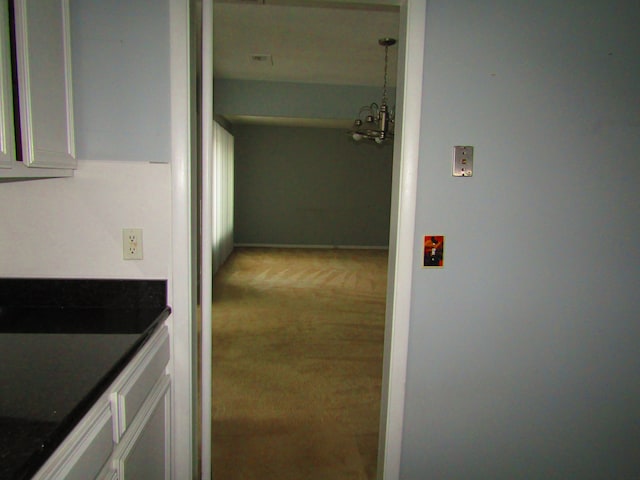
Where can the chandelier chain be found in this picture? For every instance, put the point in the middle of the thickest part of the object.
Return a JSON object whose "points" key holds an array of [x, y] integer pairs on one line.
{"points": [[384, 90]]}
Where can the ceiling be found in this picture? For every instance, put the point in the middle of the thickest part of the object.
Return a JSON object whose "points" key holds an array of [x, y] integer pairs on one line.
{"points": [[306, 41]]}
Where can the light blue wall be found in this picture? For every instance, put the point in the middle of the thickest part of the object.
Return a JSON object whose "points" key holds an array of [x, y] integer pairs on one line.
{"points": [[298, 100], [524, 358], [310, 186], [120, 57]]}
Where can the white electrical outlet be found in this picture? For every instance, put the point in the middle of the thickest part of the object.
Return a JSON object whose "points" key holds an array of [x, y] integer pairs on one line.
{"points": [[132, 243]]}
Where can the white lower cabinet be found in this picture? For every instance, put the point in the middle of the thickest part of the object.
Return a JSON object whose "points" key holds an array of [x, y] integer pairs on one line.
{"points": [[85, 450], [126, 434], [144, 449], [107, 473]]}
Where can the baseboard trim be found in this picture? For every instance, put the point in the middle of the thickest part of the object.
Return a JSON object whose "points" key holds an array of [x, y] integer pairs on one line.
{"points": [[288, 245]]}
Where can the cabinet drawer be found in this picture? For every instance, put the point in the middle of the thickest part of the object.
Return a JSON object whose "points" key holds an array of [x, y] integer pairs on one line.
{"points": [[143, 373], [86, 449]]}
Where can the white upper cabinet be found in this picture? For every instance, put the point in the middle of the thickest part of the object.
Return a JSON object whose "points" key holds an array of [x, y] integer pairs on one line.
{"points": [[43, 51], [7, 138]]}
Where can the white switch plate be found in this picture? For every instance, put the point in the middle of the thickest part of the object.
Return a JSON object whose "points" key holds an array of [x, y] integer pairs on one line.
{"points": [[462, 161], [132, 243]]}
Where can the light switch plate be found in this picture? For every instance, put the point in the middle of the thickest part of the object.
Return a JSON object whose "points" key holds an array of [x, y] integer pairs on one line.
{"points": [[462, 161]]}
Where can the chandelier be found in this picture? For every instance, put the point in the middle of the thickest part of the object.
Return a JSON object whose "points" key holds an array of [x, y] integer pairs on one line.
{"points": [[375, 122]]}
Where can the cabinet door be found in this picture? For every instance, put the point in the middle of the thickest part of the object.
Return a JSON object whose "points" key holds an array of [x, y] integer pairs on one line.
{"points": [[7, 140], [108, 473], [43, 50], [145, 448]]}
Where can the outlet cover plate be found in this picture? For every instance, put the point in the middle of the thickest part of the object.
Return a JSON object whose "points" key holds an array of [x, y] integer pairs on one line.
{"points": [[132, 243], [463, 161]]}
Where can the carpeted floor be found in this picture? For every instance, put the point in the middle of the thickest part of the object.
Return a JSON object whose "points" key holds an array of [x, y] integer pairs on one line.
{"points": [[297, 359]]}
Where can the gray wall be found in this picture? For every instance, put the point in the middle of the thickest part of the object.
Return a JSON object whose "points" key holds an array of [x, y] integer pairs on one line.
{"points": [[524, 358], [121, 88], [299, 100], [310, 186]]}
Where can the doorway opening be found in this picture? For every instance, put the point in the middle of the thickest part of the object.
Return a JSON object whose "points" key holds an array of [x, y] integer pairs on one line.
{"points": [[398, 267]]}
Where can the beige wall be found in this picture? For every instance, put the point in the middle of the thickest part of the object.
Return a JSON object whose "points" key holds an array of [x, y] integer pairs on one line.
{"points": [[72, 227]]}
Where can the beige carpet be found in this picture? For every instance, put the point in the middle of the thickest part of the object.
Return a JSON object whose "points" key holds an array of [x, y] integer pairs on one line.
{"points": [[297, 358]]}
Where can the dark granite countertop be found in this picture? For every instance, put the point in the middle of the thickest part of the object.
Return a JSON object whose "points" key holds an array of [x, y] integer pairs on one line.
{"points": [[62, 343]]}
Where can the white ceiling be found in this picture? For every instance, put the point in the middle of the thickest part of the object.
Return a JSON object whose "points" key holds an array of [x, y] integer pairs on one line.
{"points": [[309, 41]]}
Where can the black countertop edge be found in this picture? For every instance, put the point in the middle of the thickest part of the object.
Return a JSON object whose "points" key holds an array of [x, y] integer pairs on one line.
{"points": [[48, 446]]}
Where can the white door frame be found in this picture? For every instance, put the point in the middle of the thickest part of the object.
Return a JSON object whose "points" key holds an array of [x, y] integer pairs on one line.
{"points": [[401, 238], [182, 367], [206, 255], [401, 244]]}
